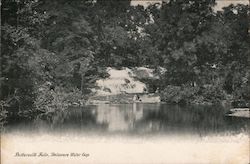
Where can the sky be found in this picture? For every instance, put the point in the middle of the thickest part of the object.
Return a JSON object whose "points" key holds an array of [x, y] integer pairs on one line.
{"points": [[219, 6]]}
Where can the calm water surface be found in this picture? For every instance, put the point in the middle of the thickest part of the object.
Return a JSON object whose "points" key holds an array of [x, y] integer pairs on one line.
{"points": [[137, 119]]}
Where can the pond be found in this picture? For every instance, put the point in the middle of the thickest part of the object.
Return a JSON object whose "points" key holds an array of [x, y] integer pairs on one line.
{"points": [[138, 119]]}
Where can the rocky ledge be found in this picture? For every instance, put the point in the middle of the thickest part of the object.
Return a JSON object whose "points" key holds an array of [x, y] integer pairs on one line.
{"points": [[125, 99]]}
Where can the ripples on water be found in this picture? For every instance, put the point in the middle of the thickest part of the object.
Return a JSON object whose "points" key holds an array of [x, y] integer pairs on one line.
{"points": [[138, 118]]}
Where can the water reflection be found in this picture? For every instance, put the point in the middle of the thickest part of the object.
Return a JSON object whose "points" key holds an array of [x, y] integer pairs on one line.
{"points": [[141, 118], [119, 117]]}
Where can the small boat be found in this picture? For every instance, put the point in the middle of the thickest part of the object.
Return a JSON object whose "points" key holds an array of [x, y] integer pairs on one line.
{"points": [[239, 112]]}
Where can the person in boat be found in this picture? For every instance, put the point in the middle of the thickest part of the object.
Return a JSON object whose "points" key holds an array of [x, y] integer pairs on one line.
{"points": [[136, 98], [157, 90]]}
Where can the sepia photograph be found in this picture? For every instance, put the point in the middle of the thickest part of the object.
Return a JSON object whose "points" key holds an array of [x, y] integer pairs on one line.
{"points": [[125, 82]]}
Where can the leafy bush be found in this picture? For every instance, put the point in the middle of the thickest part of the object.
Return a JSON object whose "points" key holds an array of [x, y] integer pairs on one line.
{"points": [[171, 94], [179, 94], [195, 95], [58, 99], [3, 114], [212, 93]]}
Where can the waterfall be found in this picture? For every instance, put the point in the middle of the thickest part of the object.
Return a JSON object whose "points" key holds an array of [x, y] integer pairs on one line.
{"points": [[119, 81]]}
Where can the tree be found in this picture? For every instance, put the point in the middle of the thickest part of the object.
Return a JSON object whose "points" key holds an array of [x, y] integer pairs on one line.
{"points": [[182, 23], [19, 46]]}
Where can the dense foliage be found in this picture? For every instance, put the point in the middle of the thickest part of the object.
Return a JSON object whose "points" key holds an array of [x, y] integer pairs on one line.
{"points": [[59, 48]]}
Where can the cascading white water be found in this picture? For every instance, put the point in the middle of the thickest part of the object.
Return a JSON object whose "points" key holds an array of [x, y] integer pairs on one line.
{"points": [[119, 81]]}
